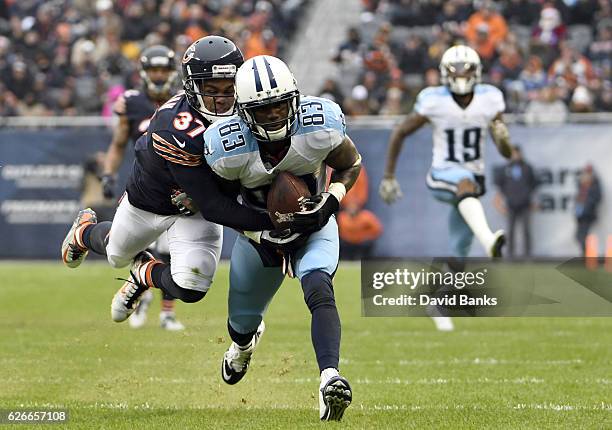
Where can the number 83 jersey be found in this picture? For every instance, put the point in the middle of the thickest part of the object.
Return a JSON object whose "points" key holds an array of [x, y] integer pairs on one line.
{"points": [[459, 134], [232, 151]]}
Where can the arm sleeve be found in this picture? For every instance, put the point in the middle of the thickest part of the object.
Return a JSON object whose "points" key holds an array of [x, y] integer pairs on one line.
{"points": [[200, 184]]}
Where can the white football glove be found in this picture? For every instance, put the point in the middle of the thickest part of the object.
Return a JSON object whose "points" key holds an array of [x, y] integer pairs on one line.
{"points": [[390, 190], [284, 240]]}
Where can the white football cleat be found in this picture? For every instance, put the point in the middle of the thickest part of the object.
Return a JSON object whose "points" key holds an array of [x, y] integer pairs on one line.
{"points": [[73, 249], [168, 321], [139, 317], [335, 395], [499, 240], [127, 298], [237, 358]]}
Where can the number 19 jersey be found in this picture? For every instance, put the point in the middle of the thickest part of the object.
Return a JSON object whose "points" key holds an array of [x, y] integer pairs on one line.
{"points": [[459, 134]]}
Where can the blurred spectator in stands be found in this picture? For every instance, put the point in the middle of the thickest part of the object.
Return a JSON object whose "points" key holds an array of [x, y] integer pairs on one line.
{"points": [[358, 228], [228, 21], [350, 48], [509, 64], [521, 12], [88, 86], [8, 103], [533, 76], [358, 103], [603, 101], [376, 85], [588, 199], [260, 39], [546, 108], [516, 182], [547, 35], [485, 29], [484, 45], [331, 90], [411, 13], [571, 69], [600, 50], [582, 100], [136, 24], [505, 74], [604, 10], [412, 57], [64, 101], [440, 43], [393, 101], [19, 80], [452, 17], [260, 43]]}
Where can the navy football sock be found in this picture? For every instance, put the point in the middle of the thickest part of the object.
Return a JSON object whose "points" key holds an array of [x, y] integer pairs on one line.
{"points": [[325, 324], [242, 339], [95, 236]]}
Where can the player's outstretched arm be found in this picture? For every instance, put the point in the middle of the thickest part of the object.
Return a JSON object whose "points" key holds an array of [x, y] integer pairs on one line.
{"points": [[346, 162], [116, 150], [389, 188], [501, 136], [201, 185]]}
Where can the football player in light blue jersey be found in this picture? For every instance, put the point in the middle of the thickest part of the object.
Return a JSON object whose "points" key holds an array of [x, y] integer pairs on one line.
{"points": [[460, 112], [277, 130]]}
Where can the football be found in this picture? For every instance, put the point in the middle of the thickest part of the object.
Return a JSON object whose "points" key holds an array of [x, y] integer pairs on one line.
{"points": [[283, 198]]}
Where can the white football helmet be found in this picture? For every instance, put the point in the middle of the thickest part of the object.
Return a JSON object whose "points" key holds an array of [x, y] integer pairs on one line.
{"points": [[460, 69], [262, 81]]}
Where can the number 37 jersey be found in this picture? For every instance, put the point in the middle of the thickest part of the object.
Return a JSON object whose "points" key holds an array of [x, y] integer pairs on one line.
{"points": [[459, 134]]}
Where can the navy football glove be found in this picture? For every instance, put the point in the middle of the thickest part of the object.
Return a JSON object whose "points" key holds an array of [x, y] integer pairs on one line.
{"points": [[108, 186], [315, 213]]}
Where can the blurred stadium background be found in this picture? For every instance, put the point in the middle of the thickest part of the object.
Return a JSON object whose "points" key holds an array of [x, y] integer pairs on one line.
{"points": [[62, 65]]}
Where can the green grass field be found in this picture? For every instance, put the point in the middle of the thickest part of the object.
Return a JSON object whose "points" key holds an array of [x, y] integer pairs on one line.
{"points": [[59, 348]]}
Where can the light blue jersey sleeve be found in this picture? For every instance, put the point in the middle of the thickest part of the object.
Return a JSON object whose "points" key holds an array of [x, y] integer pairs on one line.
{"points": [[226, 145]]}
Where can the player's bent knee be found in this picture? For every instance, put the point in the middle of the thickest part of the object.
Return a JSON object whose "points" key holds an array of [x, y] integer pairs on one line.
{"points": [[118, 261], [318, 290], [192, 282]]}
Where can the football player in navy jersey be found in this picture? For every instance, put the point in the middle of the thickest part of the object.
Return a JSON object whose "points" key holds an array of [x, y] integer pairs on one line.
{"points": [[135, 107], [170, 161]]}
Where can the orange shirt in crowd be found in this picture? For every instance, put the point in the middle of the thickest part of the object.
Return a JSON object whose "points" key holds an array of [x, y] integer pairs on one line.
{"points": [[357, 196], [257, 45], [361, 227], [496, 31]]}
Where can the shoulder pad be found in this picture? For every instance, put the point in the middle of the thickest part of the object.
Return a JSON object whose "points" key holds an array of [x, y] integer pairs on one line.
{"points": [[317, 113]]}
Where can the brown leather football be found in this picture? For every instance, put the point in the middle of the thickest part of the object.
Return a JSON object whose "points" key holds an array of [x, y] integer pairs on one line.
{"points": [[283, 198]]}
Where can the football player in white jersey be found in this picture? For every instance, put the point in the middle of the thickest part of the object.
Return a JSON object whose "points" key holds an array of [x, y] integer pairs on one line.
{"points": [[460, 111], [278, 130]]}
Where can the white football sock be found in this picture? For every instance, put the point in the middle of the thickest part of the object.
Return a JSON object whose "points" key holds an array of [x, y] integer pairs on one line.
{"points": [[473, 213], [328, 373]]}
